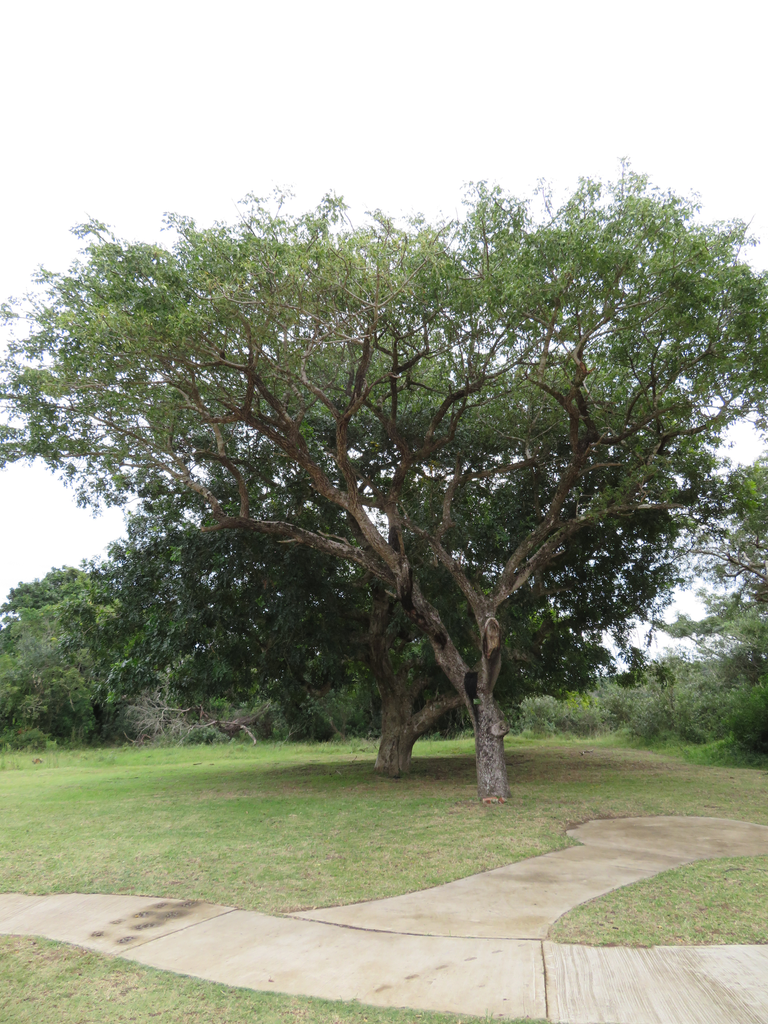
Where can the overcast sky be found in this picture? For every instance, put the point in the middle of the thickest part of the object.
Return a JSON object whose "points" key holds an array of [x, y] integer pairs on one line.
{"points": [[126, 111]]}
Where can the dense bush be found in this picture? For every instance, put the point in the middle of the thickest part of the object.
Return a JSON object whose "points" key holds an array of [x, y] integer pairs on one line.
{"points": [[676, 699], [582, 714], [749, 719], [539, 715], [204, 736], [691, 705], [26, 739], [46, 689]]}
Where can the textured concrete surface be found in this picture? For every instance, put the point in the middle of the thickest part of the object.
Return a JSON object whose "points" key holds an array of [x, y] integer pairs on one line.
{"points": [[522, 900], [471, 947], [684, 838], [468, 976], [108, 924], [662, 985], [518, 901]]}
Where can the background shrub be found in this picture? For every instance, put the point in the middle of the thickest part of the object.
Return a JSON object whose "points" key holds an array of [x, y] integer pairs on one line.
{"points": [[681, 700], [580, 714], [27, 739], [749, 719], [539, 715]]}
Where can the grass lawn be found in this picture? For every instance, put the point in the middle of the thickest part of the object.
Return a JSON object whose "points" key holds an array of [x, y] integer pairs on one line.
{"points": [[281, 828], [715, 901]]}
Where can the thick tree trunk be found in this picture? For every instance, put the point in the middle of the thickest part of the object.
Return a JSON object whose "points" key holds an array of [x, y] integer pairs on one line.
{"points": [[396, 707], [394, 755], [395, 751], [476, 689], [490, 727], [400, 725], [490, 730]]}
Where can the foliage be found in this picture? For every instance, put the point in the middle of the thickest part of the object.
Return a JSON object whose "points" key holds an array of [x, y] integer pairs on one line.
{"points": [[735, 556], [47, 690], [675, 698], [732, 638], [597, 589], [749, 718], [691, 701], [222, 617], [28, 739], [578, 714], [731, 641]]}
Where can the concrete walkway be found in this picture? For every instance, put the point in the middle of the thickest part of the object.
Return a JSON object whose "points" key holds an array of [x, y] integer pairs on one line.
{"points": [[472, 947]]}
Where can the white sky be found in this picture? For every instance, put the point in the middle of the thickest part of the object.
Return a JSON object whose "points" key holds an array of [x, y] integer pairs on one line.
{"points": [[125, 111]]}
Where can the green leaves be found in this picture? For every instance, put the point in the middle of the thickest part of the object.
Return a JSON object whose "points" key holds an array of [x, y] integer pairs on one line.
{"points": [[470, 395], [46, 685]]}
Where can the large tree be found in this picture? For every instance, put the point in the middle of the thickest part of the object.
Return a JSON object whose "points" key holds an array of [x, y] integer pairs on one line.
{"points": [[578, 367]]}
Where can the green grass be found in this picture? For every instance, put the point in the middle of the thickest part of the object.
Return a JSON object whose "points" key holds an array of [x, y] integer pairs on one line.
{"points": [[716, 753], [72, 986], [285, 828], [721, 901], [280, 828]]}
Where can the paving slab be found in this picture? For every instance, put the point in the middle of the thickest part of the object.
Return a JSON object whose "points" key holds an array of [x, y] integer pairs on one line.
{"points": [[523, 900], [687, 838], [661, 985], [15, 903], [108, 924], [518, 901], [468, 976]]}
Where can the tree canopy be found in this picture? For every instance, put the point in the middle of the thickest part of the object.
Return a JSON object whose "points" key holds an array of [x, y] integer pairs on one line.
{"points": [[470, 396]]}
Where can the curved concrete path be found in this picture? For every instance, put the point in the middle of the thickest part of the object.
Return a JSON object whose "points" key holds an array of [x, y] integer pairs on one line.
{"points": [[522, 900], [472, 947]]}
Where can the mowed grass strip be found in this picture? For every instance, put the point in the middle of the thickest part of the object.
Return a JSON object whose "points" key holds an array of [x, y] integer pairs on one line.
{"points": [[709, 902], [46, 981], [279, 829]]}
